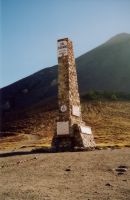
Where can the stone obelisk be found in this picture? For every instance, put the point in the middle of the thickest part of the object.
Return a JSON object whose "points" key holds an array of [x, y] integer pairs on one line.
{"points": [[71, 131]]}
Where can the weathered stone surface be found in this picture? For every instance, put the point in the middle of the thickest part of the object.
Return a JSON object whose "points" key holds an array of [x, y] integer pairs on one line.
{"points": [[69, 102]]}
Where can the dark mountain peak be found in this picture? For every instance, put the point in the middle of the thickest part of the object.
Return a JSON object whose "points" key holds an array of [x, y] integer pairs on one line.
{"points": [[121, 37]]}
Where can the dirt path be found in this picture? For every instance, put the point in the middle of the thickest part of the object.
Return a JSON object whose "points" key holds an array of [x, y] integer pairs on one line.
{"points": [[20, 141], [31, 139], [66, 176]]}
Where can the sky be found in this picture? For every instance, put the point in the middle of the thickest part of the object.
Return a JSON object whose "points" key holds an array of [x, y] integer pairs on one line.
{"points": [[29, 30]]}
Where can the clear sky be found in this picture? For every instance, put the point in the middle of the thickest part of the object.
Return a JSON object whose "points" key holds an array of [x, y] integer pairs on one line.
{"points": [[30, 29]]}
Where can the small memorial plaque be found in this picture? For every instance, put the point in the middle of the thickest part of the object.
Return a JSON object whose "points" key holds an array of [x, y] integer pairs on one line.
{"points": [[63, 108], [86, 129], [63, 128], [76, 111]]}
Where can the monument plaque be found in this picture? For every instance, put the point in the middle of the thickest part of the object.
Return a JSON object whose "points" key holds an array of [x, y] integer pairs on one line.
{"points": [[62, 128], [76, 111], [86, 129], [63, 108]]}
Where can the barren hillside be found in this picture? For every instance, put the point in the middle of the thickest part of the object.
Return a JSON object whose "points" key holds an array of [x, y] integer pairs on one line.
{"points": [[110, 122]]}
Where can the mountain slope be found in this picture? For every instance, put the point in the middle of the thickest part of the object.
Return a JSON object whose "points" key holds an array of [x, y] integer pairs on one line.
{"points": [[106, 67]]}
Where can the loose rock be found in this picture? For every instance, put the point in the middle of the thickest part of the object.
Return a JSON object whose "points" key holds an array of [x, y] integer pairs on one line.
{"points": [[122, 166], [121, 169], [67, 169], [108, 184], [120, 173]]}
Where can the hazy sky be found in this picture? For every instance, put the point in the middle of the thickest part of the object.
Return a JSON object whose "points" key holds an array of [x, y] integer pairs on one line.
{"points": [[30, 29]]}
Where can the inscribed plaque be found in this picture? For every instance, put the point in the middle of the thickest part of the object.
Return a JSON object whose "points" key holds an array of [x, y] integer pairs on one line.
{"points": [[63, 128], [76, 111], [86, 129]]}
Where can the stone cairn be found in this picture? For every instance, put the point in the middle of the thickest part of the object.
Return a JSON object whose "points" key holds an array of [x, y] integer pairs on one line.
{"points": [[71, 131]]}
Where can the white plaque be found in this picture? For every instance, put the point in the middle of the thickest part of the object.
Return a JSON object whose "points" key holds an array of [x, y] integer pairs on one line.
{"points": [[63, 128], [76, 111], [86, 129], [62, 48]]}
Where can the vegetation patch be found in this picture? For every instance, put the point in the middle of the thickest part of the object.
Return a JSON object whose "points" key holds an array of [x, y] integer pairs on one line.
{"points": [[105, 95]]}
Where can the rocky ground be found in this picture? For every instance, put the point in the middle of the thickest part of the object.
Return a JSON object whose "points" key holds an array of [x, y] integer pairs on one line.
{"points": [[92, 175]]}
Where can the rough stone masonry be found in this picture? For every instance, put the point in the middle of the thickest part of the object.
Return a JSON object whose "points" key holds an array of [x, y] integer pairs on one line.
{"points": [[71, 131]]}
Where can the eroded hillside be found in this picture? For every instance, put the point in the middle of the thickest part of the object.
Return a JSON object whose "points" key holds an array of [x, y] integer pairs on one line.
{"points": [[110, 122]]}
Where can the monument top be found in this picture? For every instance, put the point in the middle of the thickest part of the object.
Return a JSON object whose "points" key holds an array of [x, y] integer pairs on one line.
{"points": [[63, 39]]}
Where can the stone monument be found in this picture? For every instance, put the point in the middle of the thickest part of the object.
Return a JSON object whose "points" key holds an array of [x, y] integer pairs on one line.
{"points": [[71, 131]]}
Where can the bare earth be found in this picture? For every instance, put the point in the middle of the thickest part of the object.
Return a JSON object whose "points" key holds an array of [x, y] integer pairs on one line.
{"points": [[66, 176]]}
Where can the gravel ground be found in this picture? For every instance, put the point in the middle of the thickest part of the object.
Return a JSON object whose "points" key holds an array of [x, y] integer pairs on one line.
{"points": [[93, 175]]}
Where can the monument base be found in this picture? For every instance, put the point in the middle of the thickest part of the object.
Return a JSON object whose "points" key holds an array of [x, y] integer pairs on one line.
{"points": [[69, 142], [62, 143], [83, 136]]}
